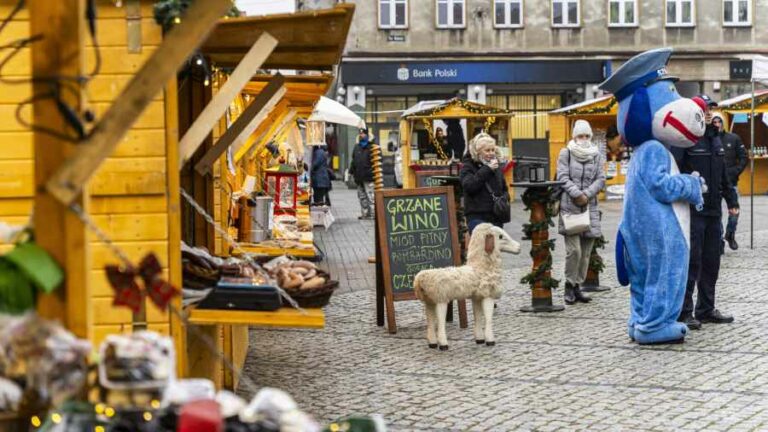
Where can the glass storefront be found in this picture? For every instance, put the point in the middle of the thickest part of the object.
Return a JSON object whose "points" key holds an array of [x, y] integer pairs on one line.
{"points": [[530, 121]]}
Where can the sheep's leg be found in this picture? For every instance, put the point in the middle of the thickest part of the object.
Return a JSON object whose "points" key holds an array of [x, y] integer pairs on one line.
{"points": [[488, 304], [431, 324], [442, 339], [477, 311]]}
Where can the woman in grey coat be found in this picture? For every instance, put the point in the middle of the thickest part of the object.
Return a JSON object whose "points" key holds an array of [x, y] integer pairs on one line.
{"points": [[580, 166]]}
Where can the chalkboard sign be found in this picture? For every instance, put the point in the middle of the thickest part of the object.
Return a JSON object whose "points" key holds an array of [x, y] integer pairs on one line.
{"points": [[417, 231], [427, 178]]}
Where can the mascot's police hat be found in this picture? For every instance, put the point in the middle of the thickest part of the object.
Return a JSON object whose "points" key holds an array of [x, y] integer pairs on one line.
{"points": [[641, 70]]}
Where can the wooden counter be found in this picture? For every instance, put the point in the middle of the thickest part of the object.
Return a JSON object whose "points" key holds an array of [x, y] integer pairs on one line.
{"points": [[283, 317]]}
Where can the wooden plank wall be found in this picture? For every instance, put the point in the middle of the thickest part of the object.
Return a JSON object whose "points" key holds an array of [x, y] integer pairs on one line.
{"points": [[129, 192]]}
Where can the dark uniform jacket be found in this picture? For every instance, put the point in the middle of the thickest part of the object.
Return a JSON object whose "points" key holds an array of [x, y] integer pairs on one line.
{"points": [[362, 167], [477, 199], [735, 156], [707, 157]]}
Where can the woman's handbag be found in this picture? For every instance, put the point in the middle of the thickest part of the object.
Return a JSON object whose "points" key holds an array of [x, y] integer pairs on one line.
{"points": [[576, 223], [501, 206]]}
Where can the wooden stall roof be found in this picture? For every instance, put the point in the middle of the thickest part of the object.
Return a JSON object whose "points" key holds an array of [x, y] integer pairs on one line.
{"points": [[599, 106], [310, 40], [454, 108], [302, 91], [743, 103]]}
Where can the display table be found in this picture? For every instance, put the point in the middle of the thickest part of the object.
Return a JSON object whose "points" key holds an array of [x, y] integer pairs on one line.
{"points": [[537, 200], [283, 317], [274, 251], [229, 330]]}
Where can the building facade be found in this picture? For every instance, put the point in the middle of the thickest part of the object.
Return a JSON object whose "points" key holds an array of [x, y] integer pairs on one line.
{"points": [[533, 56]]}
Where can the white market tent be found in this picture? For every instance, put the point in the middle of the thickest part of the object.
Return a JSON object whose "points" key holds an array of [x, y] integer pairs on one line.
{"points": [[329, 111]]}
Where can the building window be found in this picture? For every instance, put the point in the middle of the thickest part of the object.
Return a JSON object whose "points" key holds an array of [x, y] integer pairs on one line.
{"points": [[393, 14], [622, 13], [566, 13], [450, 13], [508, 13], [680, 13], [737, 12]]}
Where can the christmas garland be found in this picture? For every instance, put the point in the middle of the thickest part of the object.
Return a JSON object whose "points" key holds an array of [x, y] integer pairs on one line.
{"points": [[596, 110], [596, 263], [438, 145], [539, 274], [169, 12]]}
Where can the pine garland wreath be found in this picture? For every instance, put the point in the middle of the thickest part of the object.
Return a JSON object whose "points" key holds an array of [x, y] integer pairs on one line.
{"points": [[538, 275], [596, 263], [170, 12]]}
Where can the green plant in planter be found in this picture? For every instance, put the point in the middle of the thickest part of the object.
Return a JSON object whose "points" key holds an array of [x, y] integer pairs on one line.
{"points": [[26, 267], [170, 12]]}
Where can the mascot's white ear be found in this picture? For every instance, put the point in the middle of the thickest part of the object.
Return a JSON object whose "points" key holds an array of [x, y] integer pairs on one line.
{"points": [[679, 123]]}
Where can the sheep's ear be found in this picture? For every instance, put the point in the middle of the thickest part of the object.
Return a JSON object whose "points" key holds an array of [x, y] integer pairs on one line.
{"points": [[490, 243]]}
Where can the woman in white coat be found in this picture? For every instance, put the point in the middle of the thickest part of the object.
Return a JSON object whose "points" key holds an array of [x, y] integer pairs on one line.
{"points": [[580, 166]]}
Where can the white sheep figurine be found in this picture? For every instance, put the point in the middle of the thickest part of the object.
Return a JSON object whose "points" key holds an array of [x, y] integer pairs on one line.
{"points": [[479, 280]]}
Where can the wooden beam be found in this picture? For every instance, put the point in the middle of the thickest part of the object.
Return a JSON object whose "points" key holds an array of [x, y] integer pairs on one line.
{"points": [[202, 126], [289, 117], [60, 52], [274, 128], [239, 149], [246, 123], [178, 45]]}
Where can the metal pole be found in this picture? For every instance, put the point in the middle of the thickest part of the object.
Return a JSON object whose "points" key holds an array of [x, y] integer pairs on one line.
{"points": [[752, 173]]}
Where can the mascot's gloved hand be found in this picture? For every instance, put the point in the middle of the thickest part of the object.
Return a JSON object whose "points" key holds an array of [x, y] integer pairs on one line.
{"points": [[704, 189]]}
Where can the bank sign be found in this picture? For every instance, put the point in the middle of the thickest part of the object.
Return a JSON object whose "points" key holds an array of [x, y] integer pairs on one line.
{"points": [[474, 72]]}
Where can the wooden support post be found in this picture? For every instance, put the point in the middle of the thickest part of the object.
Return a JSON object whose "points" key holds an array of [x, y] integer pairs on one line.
{"points": [[243, 73], [177, 46], [58, 230], [243, 127]]}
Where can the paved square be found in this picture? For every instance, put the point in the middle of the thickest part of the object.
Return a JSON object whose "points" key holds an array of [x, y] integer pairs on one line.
{"points": [[573, 370]]}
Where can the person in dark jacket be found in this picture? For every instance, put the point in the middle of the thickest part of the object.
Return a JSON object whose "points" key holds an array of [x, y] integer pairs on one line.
{"points": [[320, 177], [735, 161], [361, 169], [456, 141], [481, 179], [707, 158]]}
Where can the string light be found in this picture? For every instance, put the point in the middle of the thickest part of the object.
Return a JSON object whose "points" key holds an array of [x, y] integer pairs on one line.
{"points": [[177, 20], [99, 408], [35, 420], [56, 418], [99, 429], [207, 82], [147, 416], [109, 412], [155, 404], [199, 61]]}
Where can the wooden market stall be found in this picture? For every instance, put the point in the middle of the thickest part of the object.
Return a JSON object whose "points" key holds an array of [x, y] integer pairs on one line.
{"points": [[423, 158], [128, 198], [601, 114], [738, 110], [269, 146]]}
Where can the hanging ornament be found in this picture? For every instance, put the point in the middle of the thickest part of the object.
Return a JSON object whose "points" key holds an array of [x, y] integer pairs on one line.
{"points": [[127, 290]]}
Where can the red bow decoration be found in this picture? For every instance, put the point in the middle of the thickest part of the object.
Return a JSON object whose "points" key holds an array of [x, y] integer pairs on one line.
{"points": [[127, 291]]}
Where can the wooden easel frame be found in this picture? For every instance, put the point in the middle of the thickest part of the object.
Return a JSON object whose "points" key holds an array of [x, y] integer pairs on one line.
{"points": [[383, 279]]}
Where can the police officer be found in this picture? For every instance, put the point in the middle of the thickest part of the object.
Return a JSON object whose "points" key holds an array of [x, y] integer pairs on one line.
{"points": [[735, 161], [707, 158]]}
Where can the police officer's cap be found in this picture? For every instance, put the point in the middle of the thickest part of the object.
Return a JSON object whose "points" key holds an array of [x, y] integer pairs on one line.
{"points": [[641, 70]]}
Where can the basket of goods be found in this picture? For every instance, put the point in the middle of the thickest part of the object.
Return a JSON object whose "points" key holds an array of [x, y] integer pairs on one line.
{"points": [[302, 280]]}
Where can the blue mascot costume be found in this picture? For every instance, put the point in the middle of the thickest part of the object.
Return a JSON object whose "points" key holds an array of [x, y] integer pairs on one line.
{"points": [[653, 243]]}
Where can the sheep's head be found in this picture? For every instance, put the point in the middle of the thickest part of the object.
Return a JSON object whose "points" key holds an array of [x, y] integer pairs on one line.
{"points": [[491, 240]]}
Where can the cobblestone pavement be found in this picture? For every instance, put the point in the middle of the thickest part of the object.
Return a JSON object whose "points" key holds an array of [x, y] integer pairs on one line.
{"points": [[574, 370]]}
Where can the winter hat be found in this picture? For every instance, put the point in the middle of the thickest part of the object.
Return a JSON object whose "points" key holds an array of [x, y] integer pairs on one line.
{"points": [[581, 127], [479, 142]]}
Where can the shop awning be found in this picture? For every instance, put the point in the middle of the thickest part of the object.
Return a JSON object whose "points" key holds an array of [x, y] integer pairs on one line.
{"points": [[601, 105], [302, 91], [743, 103], [328, 110], [454, 108], [310, 40]]}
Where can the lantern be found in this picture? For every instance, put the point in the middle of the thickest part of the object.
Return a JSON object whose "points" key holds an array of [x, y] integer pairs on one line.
{"points": [[282, 184]]}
